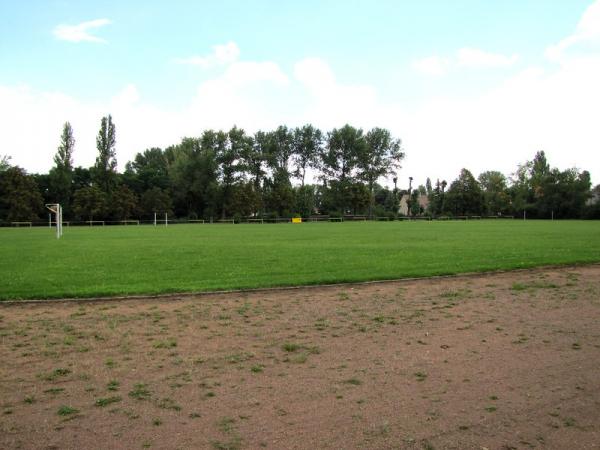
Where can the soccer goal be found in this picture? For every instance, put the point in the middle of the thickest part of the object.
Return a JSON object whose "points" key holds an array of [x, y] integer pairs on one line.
{"points": [[56, 209]]}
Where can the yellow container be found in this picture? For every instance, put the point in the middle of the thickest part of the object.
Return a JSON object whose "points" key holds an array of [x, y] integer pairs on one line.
{"points": [[296, 219]]}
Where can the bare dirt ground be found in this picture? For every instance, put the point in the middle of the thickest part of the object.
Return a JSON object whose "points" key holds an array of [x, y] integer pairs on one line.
{"points": [[504, 361]]}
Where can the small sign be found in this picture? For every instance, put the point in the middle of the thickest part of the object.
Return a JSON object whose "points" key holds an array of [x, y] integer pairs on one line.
{"points": [[296, 219]]}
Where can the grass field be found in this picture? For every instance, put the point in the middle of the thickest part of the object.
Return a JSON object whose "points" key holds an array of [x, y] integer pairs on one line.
{"points": [[148, 260]]}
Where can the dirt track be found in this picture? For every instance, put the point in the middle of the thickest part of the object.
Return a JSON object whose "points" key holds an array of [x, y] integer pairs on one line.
{"points": [[494, 361]]}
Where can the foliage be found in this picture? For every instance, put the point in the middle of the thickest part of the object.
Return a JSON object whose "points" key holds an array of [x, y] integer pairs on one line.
{"points": [[20, 199], [464, 196], [90, 202], [105, 169], [61, 175], [380, 156]]}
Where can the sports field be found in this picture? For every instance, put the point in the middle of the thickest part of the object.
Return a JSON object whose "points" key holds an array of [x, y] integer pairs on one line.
{"points": [[104, 261]]}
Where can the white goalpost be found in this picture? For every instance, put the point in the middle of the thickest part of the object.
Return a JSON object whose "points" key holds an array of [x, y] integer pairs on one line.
{"points": [[56, 209]]}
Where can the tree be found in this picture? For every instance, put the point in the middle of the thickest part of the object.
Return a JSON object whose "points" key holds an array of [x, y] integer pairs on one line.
{"points": [[379, 156], [339, 160], [4, 163], [61, 175], [305, 200], [105, 169], [193, 174], [496, 199], [20, 199], [307, 146], [149, 169], [124, 202], [90, 202], [156, 200], [464, 196], [428, 187]]}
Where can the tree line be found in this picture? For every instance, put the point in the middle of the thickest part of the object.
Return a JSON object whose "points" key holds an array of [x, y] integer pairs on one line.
{"points": [[234, 174]]}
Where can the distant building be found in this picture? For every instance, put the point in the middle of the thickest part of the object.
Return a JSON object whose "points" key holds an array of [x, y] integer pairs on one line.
{"points": [[423, 202]]}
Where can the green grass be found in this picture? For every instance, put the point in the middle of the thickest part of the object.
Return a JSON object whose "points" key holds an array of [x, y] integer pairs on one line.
{"points": [[106, 261]]}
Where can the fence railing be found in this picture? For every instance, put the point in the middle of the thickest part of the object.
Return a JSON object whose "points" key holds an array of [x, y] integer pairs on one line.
{"points": [[248, 220]]}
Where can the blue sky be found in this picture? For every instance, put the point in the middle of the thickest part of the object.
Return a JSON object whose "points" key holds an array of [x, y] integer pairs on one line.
{"points": [[458, 81]]}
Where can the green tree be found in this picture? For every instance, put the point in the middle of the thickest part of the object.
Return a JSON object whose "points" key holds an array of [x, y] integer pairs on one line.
{"points": [[149, 169], [156, 200], [194, 173], [61, 175], [4, 163], [464, 196], [339, 160], [380, 156], [20, 199], [496, 198], [307, 146], [90, 202], [305, 200], [105, 169], [124, 202]]}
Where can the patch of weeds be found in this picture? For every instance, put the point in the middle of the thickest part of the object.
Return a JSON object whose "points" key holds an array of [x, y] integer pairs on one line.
{"points": [[299, 359], [493, 397], [54, 390], [194, 415], [156, 422], [110, 363], [65, 410], [428, 446], [239, 357], [102, 402], [522, 339], [234, 443], [344, 296], [518, 287], [381, 430], [225, 424], [210, 394], [379, 319], [169, 343], [112, 385], [257, 369], [420, 376], [168, 403], [463, 427], [131, 414], [576, 346], [29, 399], [353, 381], [289, 347], [533, 285], [60, 372], [490, 408], [569, 422], [140, 392]]}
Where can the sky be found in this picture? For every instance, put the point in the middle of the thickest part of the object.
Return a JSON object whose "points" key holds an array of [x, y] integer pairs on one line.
{"points": [[468, 83]]}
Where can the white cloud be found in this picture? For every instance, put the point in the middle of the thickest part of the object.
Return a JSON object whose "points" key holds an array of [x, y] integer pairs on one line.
{"points": [[431, 66], [222, 55], [587, 32], [80, 32], [473, 58]]}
